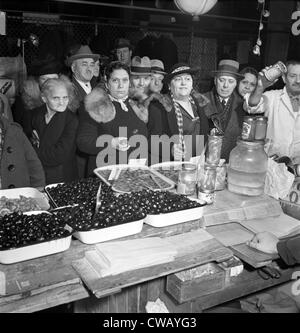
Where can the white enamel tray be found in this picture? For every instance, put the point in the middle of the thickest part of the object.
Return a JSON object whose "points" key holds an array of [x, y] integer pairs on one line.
{"points": [[42, 249], [109, 233], [115, 169], [29, 192], [166, 166], [181, 216]]}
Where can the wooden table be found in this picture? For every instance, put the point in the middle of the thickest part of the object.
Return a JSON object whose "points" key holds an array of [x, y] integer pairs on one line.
{"points": [[50, 281]]}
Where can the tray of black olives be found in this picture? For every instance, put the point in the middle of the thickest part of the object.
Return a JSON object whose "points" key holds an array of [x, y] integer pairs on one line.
{"points": [[119, 215], [32, 235], [73, 193], [128, 178], [168, 208]]}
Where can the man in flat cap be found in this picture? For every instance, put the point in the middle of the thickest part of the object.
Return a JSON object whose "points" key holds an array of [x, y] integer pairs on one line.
{"points": [[226, 111], [123, 51]]}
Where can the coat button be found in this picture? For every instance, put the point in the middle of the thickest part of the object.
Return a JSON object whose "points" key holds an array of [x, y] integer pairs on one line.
{"points": [[11, 186], [9, 149], [11, 167]]}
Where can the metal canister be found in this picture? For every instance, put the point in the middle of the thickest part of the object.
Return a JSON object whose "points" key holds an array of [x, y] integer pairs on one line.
{"points": [[248, 129], [187, 179], [261, 128], [275, 71], [206, 185]]}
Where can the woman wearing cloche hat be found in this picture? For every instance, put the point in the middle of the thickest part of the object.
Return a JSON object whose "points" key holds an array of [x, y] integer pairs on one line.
{"points": [[186, 118]]}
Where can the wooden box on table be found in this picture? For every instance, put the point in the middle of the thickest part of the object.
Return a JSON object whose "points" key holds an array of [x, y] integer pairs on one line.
{"points": [[190, 284]]}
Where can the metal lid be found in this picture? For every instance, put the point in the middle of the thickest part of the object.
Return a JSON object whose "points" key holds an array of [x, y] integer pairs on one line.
{"points": [[261, 118], [189, 167], [248, 118]]}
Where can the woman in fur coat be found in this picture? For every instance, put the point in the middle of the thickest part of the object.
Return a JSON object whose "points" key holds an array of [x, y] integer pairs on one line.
{"points": [[54, 133], [112, 127]]}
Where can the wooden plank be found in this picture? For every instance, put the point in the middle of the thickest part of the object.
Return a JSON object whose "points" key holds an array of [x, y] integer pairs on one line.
{"points": [[235, 236], [132, 299], [230, 207], [50, 298], [252, 256], [246, 283], [207, 251], [143, 297]]}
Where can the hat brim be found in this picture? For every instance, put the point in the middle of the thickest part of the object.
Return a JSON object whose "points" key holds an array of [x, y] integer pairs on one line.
{"points": [[158, 72], [169, 77], [123, 46], [236, 75], [140, 73], [81, 56]]}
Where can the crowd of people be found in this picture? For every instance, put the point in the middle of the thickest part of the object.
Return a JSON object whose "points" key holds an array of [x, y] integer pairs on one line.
{"points": [[61, 127]]}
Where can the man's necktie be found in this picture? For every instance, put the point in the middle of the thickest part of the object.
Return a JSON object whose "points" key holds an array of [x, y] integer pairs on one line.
{"points": [[295, 100], [223, 102]]}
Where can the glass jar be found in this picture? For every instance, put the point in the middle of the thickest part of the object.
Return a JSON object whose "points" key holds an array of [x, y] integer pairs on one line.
{"points": [[247, 168], [207, 183], [187, 179]]}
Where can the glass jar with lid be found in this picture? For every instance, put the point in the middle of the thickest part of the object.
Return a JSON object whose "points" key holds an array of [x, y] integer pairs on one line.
{"points": [[187, 179], [247, 168]]}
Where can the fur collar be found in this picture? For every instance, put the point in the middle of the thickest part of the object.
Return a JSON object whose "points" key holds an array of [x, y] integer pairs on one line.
{"points": [[102, 110], [200, 99], [99, 106]]}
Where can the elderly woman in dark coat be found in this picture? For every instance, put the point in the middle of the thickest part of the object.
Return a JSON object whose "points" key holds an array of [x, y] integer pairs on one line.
{"points": [[20, 166], [109, 122], [54, 132]]}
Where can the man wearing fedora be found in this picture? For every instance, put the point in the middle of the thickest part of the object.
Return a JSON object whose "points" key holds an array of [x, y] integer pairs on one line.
{"points": [[226, 111], [123, 51], [140, 78], [82, 62]]}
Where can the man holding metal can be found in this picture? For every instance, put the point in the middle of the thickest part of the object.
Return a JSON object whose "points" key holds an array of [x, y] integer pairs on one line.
{"points": [[281, 107]]}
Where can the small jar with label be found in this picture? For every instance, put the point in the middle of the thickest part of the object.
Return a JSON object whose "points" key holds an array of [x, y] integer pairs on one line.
{"points": [[206, 185], [187, 179], [275, 71], [248, 129]]}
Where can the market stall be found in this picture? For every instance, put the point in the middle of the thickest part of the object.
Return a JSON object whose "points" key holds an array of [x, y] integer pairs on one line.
{"points": [[72, 275]]}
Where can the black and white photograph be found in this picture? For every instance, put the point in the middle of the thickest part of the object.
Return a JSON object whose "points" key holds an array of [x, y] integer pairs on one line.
{"points": [[149, 160]]}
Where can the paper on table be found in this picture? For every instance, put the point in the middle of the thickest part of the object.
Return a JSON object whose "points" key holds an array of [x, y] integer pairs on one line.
{"points": [[188, 242], [280, 226], [133, 254], [230, 234], [278, 180]]}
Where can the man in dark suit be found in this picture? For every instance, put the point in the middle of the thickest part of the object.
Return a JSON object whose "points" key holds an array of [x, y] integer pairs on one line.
{"points": [[225, 109], [82, 63]]}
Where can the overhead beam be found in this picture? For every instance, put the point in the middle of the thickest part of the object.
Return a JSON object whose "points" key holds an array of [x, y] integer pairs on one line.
{"points": [[165, 11]]}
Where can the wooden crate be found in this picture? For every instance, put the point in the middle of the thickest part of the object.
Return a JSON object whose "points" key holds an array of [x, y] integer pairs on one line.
{"points": [[190, 284]]}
